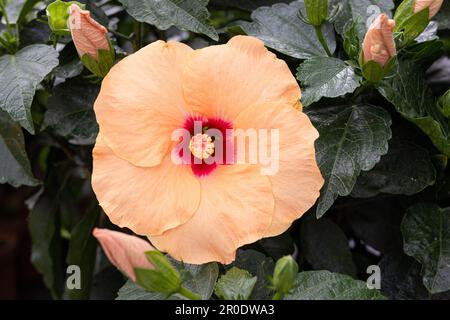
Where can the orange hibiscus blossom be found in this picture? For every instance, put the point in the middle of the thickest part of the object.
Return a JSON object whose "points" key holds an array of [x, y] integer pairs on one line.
{"points": [[201, 212]]}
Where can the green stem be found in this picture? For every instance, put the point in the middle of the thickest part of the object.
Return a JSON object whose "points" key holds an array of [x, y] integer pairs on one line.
{"points": [[121, 35], [189, 294], [319, 34], [138, 35], [277, 296], [5, 15]]}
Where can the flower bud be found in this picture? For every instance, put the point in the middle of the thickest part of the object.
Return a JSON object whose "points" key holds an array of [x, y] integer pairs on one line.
{"points": [[91, 41], [164, 278], [58, 15], [379, 44], [126, 252], [432, 5], [284, 275], [317, 11]]}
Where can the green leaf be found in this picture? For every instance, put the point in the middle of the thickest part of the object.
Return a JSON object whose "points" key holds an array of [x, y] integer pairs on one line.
{"points": [[426, 234], [317, 11], [352, 43], [352, 139], [259, 265], [281, 29], [423, 52], [248, 5], [325, 246], [361, 12], [443, 16], [26, 9], [373, 71], [100, 66], [414, 25], [133, 291], [164, 278], [401, 278], [406, 169], [326, 77], [14, 167], [34, 32], [17, 10], [82, 252], [409, 94], [46, 248], [279, 246], [236, 284], [324, 285], [70, 111], [155, 281], [201, 278], [183, 14], [19, 76], [70, 65]]}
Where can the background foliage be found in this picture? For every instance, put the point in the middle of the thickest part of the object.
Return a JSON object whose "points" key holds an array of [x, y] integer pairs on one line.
{"points": [[382, 150]]}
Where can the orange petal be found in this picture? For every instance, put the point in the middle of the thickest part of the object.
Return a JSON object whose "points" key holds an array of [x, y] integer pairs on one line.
{"points": [[433, 5], [236, 208], [224, 80], [379, 44], [141, 103], [296, 186], [126, 252], [148, 201], [88, 35]]}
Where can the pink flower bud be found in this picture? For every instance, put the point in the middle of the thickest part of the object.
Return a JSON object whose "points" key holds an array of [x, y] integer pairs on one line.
{"points": [[432, 5], [379, 44], [87, 34], [126, 252]]}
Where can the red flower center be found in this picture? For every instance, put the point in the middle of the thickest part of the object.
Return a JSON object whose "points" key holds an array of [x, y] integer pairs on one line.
{"points": [[208, 144]]}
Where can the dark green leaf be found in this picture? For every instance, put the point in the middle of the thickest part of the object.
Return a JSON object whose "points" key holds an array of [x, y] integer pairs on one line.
{"points": [[279, 246], [82, 252], [202, 279], [236, 284], [70, 111], [443, 17], [401, 279], [14, 166], [426, 233], [46, 249], [20, 74], [352, 43], [411, 98], [155, 281], [34, 32], [361, 12], [352, 139], [326, 77], [248, 5], [324, 285], [406, 169], [259, 265], [27, 7], [183, 14], [281, 29], [133, 291], [325, 246], [422, 52]]}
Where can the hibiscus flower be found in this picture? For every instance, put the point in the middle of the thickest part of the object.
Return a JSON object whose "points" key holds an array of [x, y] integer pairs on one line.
{"points": [[199, 211]]}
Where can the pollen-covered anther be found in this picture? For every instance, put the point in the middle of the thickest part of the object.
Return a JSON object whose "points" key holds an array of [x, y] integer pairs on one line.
{"points": [[201, 146]]}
